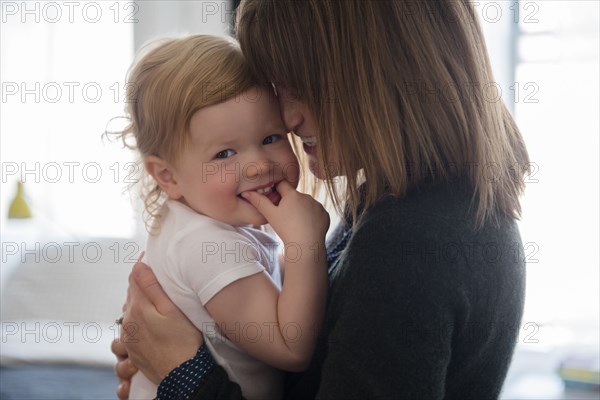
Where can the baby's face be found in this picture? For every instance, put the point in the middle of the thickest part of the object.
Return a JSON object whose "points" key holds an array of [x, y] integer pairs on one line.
{"points": [[236, 146]]}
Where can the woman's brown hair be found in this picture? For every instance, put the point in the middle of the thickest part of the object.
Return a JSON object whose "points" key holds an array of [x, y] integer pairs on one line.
{"points": [[402, 92]]}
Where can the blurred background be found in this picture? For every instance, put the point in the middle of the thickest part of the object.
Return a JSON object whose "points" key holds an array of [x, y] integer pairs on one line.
{"points": [[64, 270]]}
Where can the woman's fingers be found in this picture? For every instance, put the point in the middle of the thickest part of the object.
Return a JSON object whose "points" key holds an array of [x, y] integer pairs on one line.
{"points": [[149, 318], [123, 390], [145, 280], [118, 349], [124, 369]]}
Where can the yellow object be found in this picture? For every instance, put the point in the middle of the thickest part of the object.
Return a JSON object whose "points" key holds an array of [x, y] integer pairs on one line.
{"points": [[18, 207]]}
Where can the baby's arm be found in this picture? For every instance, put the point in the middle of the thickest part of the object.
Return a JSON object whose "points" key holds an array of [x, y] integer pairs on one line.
{"points": [[281, 328]]}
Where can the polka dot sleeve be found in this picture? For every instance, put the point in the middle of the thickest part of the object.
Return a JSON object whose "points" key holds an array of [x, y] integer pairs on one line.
{"points": [[183, 381]]}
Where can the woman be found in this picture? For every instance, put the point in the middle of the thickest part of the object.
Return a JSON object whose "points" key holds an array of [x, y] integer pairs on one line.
{"points": [[427, 274]]}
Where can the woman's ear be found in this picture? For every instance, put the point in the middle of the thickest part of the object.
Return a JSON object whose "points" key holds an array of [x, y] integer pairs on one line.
{"points": [[163, 174]]}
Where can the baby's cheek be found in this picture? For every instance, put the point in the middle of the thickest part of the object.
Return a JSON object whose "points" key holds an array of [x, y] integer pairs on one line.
{"points": [[291, 172]]}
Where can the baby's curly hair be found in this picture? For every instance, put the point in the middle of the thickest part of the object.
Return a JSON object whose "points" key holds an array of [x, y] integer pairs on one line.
{"points": [[168, 82]]}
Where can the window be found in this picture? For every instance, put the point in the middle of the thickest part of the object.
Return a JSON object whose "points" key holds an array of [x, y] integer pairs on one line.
{"points": [[545, 59], [63, 68], [556, 103]]}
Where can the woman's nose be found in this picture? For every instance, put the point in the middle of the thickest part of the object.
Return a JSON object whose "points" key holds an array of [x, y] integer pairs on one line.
{"points": [[291, 110]]}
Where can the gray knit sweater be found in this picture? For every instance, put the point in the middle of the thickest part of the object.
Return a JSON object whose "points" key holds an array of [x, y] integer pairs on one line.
{"points": [[421, 306]]}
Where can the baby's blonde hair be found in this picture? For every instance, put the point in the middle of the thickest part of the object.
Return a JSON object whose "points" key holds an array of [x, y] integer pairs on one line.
{"points": [[168, 82]]}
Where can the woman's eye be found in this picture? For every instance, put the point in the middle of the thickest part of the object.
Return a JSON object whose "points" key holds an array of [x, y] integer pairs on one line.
{"points": [[272, 138], [225, 153]]}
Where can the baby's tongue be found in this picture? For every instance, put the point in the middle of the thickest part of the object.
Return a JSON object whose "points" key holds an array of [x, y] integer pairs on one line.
{"points": [[274, 197]]}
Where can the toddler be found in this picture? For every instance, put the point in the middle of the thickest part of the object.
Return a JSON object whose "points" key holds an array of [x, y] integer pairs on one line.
{"points": [[209, 135]]}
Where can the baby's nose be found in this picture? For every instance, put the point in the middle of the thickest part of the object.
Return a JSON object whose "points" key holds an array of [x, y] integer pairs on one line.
{"points": [[263, 170]]}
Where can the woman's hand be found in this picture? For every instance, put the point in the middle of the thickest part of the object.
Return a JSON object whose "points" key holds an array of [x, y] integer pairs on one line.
{"points": [[124, 369], [155, 336]]}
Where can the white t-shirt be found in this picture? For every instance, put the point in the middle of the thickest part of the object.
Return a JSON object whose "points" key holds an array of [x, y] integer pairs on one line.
{"points": [[194, 257]]}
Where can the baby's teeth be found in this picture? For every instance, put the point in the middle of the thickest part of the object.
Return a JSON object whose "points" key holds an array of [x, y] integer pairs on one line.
{"points": [[265, 190], [310, 141]]}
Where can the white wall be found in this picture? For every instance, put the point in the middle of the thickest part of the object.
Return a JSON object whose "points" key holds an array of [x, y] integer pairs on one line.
{"points": [[164, 18]]}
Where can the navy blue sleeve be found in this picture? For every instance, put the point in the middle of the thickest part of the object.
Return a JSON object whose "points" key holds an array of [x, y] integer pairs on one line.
{"points": [[184, 380]]}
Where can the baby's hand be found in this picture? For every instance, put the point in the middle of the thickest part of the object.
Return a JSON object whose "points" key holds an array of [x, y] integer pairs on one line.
{"points": [[298, 218]]}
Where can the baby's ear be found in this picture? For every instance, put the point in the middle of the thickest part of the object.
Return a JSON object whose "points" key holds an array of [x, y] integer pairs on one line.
{"points": [[163, 174]]}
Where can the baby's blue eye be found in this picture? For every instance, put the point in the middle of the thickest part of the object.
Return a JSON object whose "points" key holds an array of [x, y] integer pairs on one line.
{"points": [[225, 153], [271, 138]]}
